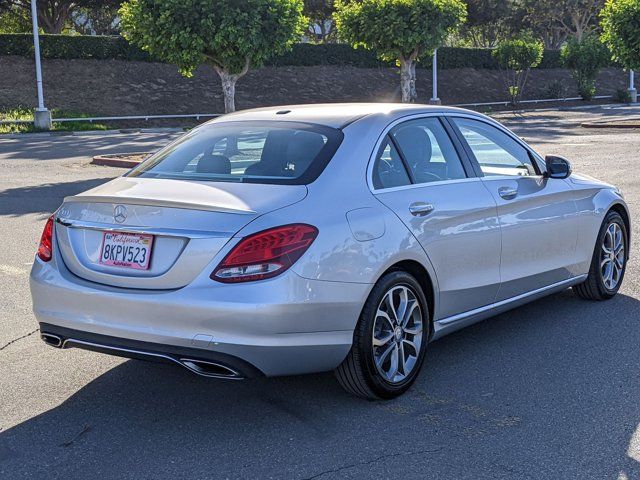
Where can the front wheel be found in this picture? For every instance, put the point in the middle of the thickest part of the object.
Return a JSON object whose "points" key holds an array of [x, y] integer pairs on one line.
{"points": [[609, 261], [390, 340]]}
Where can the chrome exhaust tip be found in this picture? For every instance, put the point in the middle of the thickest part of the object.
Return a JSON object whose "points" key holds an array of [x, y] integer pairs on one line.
{"points": [[52, 340], [210, 369]]}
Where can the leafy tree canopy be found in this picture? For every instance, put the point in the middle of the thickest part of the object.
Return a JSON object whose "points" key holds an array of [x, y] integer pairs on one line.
{"points": [[621, 31], [226, 33], [399, 28]]}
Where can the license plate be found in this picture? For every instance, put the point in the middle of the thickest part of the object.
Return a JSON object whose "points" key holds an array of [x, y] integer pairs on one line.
{"points": [[128, 250]]}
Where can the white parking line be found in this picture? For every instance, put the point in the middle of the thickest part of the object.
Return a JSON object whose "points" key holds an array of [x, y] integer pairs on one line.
{"points": [[9, 270]]}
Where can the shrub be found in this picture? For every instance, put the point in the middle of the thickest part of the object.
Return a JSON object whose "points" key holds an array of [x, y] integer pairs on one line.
{"points": [[622, 95], [585, 58], [302, 54], [556, 89], [516, 58]]}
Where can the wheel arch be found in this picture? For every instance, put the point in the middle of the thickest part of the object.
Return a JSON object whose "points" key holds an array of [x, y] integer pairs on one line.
{"points": [[621, 210], [421, 274]]}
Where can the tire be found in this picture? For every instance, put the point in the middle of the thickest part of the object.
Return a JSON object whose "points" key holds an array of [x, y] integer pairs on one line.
{"points": [[359, 373], [598, 286]]}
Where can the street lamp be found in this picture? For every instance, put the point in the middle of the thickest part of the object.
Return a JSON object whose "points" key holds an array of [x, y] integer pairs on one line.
{"points": [[632, 87], [434, 70], [42, 116]]}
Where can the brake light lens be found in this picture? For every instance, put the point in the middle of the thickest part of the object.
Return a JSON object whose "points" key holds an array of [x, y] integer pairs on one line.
{"points": [[265, 254], [45, 249]]}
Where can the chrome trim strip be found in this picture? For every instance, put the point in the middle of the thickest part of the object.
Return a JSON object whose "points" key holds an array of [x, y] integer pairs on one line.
{"points": [[150, 354], [163, 232], [471, 313]]}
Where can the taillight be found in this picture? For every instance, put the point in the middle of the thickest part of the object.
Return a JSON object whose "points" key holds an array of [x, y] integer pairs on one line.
{"points": [[265, 254], [45, 250]]}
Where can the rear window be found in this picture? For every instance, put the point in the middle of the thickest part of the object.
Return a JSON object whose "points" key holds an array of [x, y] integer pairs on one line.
{"points": [[250, 152]]}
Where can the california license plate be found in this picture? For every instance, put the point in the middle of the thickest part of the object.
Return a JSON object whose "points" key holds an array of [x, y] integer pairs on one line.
{"points": [[128, 250]]}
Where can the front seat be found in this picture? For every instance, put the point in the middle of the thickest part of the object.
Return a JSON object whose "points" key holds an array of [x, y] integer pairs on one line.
{"points": [[302, 149], [273, 159]]}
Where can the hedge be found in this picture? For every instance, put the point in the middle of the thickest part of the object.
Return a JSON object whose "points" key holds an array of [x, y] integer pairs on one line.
{"points": [[303, 54]]}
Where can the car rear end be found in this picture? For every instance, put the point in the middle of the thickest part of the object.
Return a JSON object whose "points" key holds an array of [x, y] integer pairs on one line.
{"points": [[163, 263]]}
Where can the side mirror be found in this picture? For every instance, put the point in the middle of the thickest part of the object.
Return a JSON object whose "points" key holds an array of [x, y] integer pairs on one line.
{"points": [[557, 167]]}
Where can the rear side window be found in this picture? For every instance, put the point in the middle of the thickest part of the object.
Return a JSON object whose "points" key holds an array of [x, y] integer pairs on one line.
{"points": [[250, 152], [389, 170]]}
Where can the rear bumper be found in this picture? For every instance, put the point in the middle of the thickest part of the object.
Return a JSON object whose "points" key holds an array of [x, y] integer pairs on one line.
{"points": [[284, 326]]}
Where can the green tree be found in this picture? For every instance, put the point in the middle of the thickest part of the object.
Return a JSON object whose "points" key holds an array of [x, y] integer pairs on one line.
{"points": [[488, 21], [400, 30], [556, 20], [54, 15], [228, 35], [585, 58], [97, 18], [516, 58], [321, 24], [13, 19], [621, 31]]}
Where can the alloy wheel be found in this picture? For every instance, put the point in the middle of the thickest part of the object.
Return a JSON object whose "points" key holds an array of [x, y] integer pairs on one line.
{"points": [[612, 256], [397, 334]]}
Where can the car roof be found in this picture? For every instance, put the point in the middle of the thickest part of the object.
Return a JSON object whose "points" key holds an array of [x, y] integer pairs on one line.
{"points": [[336, 115]]}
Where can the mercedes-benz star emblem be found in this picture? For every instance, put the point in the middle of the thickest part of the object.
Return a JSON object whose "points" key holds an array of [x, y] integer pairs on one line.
{"points": [[120, 213]]}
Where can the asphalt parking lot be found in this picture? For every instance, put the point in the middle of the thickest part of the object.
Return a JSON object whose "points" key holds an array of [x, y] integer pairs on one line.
{"points": [[548, 391]]}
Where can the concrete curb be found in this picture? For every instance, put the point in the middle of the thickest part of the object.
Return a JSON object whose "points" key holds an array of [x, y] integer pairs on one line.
{"points": [[611, 125], [117, 160], [93, 132]]}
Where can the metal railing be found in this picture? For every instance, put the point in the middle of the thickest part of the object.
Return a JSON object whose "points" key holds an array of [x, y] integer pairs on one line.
{"points": [[198, 116]]}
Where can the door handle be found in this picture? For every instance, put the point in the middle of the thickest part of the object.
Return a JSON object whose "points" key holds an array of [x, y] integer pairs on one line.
{"points": [[508, 193], [420, 209]]}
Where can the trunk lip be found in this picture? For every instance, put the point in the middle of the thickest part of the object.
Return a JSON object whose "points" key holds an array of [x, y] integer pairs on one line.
{"points": [[155, 202]]}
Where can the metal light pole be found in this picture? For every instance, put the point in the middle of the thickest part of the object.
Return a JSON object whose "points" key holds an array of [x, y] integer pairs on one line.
{"points": [[434, 69], [42, 116], [632, 87]]}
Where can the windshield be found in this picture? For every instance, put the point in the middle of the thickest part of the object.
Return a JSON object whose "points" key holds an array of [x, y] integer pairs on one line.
{"points": [[251, 152]]}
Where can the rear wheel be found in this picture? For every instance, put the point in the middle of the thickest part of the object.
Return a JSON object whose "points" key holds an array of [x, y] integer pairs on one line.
{"points": [[609, 261], [390, 340]]}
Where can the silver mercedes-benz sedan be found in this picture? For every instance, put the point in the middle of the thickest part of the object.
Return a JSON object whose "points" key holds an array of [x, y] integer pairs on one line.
{"points": [[308, 238]]}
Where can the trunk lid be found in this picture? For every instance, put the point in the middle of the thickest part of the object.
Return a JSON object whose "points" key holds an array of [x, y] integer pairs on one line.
{"points": [[190, 222]]}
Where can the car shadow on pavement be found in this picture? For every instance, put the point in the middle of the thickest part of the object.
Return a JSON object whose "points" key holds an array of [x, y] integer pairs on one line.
{"points": [[43, 198], [549, 390]]}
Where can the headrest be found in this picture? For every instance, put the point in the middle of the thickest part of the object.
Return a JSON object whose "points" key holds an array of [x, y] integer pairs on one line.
{"points": [[214, 164]]}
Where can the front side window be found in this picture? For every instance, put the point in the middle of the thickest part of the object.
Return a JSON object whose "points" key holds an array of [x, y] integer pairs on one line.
{"points": [[496, 152], [428, 151], [250, 152]]}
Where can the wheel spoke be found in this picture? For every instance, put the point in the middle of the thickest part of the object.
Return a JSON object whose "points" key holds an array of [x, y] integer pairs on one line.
{"points": [[415, 330], [393, 368], [402, 307], [388, 299], [413, 304], [379, 341], [412, 345], [381, 359], [402, 363], [385, 316]]}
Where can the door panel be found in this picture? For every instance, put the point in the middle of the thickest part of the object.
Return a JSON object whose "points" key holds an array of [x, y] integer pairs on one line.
{"points": [[539, 232], [453, 217], [460, 235], [538, 216]]}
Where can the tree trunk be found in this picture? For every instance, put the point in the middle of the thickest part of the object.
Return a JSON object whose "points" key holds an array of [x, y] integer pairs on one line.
{"points": [[408, 80], [229, 91], [229, 83]]}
